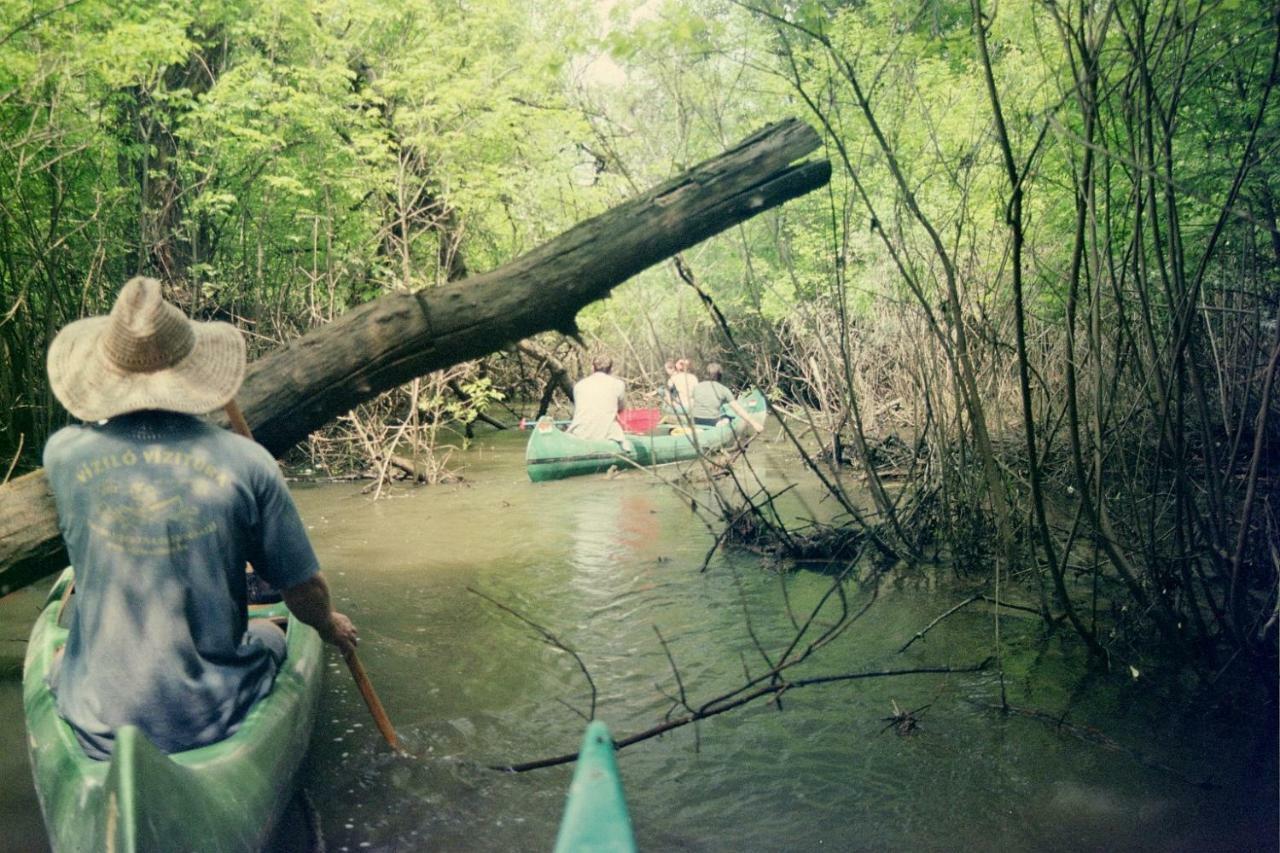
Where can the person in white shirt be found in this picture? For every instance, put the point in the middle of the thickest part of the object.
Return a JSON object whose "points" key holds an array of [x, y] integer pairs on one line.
{"points": [[597, 399]]}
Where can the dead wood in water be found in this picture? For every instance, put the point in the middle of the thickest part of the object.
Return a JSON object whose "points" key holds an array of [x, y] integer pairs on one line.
{"points": [[730, 701], [927, 628], [556, 643], [387, 342], [813, 632]]}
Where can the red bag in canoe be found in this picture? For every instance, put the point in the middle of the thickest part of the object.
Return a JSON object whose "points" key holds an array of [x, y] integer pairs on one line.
{"points": [[639, 420]]}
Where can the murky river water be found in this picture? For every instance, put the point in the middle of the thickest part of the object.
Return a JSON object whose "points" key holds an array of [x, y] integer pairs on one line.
{"points": [[601, 563]]}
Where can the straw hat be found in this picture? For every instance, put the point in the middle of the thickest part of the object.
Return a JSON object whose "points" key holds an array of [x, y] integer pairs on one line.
{"points": [[145, 354]]}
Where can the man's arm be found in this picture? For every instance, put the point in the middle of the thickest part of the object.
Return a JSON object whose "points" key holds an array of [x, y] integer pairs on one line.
{"points": [[742, 413], [310, 602]]}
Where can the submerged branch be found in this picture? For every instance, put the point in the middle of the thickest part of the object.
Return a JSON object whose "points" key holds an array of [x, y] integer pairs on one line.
{"points": [[1093, 735], [919, 635], [715, 707]]}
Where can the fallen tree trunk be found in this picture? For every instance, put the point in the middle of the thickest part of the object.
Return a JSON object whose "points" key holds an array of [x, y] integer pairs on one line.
{"points": [[298, 388]]}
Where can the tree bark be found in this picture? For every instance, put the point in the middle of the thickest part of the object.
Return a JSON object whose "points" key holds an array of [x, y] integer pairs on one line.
{"points": [[389, 341]]}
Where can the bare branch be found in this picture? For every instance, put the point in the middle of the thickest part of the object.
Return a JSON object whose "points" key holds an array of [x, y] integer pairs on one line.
{"points": [[919, 635], [722, 704], [550, 639]]}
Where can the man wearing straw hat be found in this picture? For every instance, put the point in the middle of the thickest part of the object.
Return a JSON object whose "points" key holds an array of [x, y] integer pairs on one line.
{"points": [[160, 512]]}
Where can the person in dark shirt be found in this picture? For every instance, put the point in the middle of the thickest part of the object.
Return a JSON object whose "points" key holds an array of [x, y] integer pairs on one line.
{"points": [[160, 512], [708, 398]]}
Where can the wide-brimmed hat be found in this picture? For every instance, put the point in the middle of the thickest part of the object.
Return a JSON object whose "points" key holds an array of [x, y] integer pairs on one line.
{"points": [[145, 354]]}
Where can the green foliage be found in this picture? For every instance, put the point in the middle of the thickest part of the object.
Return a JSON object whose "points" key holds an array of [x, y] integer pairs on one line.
{"points": [[275, 161], [480, 394]]}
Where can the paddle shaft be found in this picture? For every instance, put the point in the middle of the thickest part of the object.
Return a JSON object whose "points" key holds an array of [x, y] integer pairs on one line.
{"points": [[370, 696], [371, 699]]}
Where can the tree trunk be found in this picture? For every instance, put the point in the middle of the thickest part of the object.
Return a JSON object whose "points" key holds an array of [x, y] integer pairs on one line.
{"points": [[557, 378], [384, 343]]}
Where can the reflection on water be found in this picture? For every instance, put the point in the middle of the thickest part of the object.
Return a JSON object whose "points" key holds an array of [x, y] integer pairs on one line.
{"points": [[601, 563], [607, 534]]}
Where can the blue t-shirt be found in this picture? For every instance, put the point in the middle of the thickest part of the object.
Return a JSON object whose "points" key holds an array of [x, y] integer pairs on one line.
{"points": [[160, 512]]}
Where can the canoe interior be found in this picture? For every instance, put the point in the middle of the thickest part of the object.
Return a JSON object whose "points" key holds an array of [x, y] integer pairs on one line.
{"points": [[221, 797]]}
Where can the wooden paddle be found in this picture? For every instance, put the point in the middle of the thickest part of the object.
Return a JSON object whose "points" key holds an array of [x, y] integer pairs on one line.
{"points": [[380, 719]]}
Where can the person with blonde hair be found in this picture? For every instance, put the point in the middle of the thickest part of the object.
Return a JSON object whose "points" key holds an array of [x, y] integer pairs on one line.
{"points": [[680, 385]]}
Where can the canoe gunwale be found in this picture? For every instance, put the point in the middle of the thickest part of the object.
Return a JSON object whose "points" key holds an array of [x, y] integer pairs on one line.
{"points": [[585, 457]]}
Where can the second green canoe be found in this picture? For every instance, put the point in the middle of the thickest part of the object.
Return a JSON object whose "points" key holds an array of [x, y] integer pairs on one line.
{"points": [[553, 454]]}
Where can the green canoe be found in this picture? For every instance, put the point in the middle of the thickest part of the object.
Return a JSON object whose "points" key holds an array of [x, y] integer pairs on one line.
{"points": [[595, 814], [553, 454], [222, 797]]}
